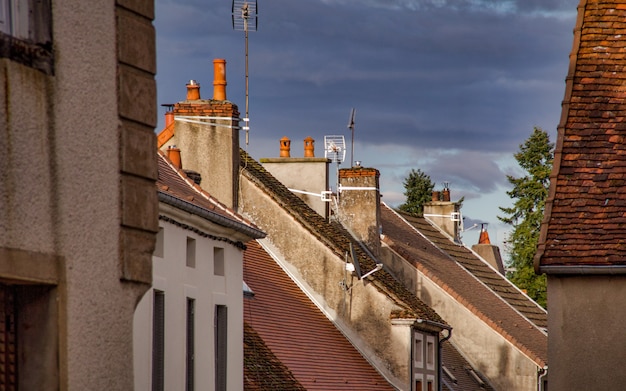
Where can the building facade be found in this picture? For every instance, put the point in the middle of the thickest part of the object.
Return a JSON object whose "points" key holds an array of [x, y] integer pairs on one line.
{"points": [[78, 210], [188, 329]]}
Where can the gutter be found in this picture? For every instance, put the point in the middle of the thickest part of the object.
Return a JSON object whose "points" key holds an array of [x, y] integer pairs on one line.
{"points": [[584, 269], [211, 216]]}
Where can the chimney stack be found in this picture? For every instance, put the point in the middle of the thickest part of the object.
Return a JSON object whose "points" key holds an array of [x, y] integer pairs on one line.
{"points": [[359, 204], [210, 142], [487, 251], [445, 214], [219, 79]]}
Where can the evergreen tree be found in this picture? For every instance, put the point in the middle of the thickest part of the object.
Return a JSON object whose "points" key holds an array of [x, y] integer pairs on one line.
{"points": [[529, 193], [418, 189]]}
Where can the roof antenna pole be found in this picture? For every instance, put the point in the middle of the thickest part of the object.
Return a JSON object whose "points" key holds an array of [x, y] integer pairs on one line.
{"points": [[351, 127], [245, 18]]}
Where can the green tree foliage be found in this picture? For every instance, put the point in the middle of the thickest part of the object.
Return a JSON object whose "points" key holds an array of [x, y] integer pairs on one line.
{"points": [[418, 189], [529, 194]]}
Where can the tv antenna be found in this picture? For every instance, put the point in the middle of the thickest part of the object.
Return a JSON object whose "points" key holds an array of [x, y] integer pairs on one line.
{"points": [[351, 127], [335, 150], [245, 19]]}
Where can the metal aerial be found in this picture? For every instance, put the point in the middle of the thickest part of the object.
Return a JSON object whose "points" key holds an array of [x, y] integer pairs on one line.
{"points": [[351, 127], [245, 18]]}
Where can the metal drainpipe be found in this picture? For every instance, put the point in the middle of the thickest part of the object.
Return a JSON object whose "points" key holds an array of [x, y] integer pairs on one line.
{"points": [[543, 372]]}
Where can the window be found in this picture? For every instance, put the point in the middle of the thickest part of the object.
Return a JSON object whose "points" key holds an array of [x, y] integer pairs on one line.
{"points": [[190, 359], [218, 261], [221, 346], [159, 245], [430, 352], [418, 350], [191, 252], [158, 341], [418, 385], [26, 33]]}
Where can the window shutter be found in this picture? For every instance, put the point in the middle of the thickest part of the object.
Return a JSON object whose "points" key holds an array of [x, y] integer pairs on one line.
{"points": [[221, 346], [158, 341]]}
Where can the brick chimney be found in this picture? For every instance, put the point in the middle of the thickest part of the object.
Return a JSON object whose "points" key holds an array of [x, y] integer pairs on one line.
{"points": [[359, 204], [488, 251], [206, 132], [445, 214]]}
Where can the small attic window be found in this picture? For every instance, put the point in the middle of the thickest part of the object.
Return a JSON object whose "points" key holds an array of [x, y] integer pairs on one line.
{"points": [[26, 33]]}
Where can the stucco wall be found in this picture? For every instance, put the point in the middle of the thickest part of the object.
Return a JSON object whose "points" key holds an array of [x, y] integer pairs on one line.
{"points": [[67, 204], [488, 351], [304, 174], [178, 282], [586, 326], [362, 314]]}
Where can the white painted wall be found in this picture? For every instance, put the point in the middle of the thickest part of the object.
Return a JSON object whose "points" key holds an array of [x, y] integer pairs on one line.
{"points": [[177, 281]]}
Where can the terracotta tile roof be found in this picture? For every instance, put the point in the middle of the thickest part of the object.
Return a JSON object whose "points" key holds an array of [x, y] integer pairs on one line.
{"points": [[336, 238], [262, 370], [584, 222], [477, 287], [298, 333], [175, 183]]}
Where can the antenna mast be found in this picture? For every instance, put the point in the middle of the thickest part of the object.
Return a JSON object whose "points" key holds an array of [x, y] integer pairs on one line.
{"points": [[351, 127], [245, 19]]}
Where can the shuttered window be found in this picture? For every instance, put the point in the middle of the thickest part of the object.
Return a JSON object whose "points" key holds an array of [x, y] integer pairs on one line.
{"points": [[8, 339], [190, 365], [221, 346], [158, 341]]}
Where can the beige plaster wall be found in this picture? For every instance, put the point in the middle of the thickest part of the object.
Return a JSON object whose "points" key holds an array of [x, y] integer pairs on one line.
{"points": [[362, 314], [69, 141], [304, 174], [586, 324], [488, 351]]}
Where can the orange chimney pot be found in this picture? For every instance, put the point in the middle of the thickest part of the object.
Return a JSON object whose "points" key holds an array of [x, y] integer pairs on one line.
{"points": [[484, 236], [309, 147], [169, 118], [173, 153], [219, 79], [193, 90], [285, 147]]}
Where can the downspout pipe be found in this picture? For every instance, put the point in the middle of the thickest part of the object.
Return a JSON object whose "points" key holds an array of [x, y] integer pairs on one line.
{"points": [[543, 372], [440, 363]]}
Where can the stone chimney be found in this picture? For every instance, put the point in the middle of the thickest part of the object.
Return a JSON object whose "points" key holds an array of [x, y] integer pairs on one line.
{"points": [[306, 177], [359, 204], [207, 133], [488, 251], [445, 214]]}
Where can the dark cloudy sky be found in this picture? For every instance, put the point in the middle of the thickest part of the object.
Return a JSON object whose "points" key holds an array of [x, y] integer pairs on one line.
{"points": [[451, 87]]}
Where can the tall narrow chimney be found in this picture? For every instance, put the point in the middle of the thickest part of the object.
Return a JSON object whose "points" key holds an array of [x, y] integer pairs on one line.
{"points": [[219, 79], [309, 147]]}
